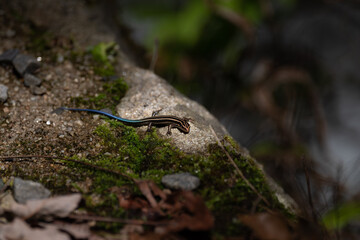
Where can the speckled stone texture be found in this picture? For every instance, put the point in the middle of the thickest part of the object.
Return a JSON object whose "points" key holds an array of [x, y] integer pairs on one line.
{"points": [[149, 92]]}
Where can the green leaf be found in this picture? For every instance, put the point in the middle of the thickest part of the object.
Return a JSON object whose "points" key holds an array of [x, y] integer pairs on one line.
{"points": [[183, 27], [101, 51], [337, 218]]}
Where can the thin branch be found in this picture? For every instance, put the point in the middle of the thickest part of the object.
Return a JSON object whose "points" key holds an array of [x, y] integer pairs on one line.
{"points": [[115, 220], [155, 55], [309, 192], [233, 17], [238, 170]]}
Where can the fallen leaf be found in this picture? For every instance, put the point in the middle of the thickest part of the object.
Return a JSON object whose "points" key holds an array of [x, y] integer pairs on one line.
{"points": [[190, 212], [77, 230], [60, 206], [20, 230], [127, 201], [175, 211], [147, 188]]}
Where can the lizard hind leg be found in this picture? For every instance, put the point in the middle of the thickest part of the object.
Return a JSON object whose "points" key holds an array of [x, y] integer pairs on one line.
{"points": [[149, 127], [169, 130]]}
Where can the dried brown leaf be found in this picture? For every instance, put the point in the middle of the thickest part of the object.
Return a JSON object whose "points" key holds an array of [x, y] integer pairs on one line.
{"points": [[127, 201], [146, 190], [193, 215], [60, 206], [175, 212]]}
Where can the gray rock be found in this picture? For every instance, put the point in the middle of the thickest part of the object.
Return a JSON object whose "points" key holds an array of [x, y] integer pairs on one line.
{"points": [[8, 55], [10, 33], [37, 90], [25, 64], [3, 93], [31, 80], [28, 190], [149, 93], [184, 181]]}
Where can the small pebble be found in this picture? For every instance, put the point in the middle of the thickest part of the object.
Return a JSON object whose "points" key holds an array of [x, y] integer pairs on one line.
{"points": [[48, 123], [10, 33], [37, 90], [28, 190], [184, 181], [79, 122], [48, 77], [31, 80], [25, 64], [3, 93], [38, 120], [60, 58], [8, 55]]}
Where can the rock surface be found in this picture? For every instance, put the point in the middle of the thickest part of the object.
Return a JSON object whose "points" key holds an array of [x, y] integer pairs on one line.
{"points": [[3, 93], [8, 55], [184, 181], [28, 190], [31, 80], [149, 92], [25, 64]]}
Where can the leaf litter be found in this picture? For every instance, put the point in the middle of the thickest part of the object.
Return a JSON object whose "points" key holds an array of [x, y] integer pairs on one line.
{"points": [[55, 218]]}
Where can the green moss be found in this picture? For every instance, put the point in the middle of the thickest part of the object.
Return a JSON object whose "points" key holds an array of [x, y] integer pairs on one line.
{"points": [[105, 70], [102, 54], [101, 51], [108, 98], [150, 157]]}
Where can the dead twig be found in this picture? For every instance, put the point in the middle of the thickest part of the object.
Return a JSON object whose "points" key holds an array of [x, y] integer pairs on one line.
{"points": [[154, 55], [233, 17], [238, 169], [115, 220]]}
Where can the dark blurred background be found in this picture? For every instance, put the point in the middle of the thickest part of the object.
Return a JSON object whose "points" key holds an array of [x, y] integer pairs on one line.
{"points": [[283, 76]]}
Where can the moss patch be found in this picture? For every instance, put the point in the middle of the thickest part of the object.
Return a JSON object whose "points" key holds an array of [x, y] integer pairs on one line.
{"points": [[108, 98], [150, 157]]}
